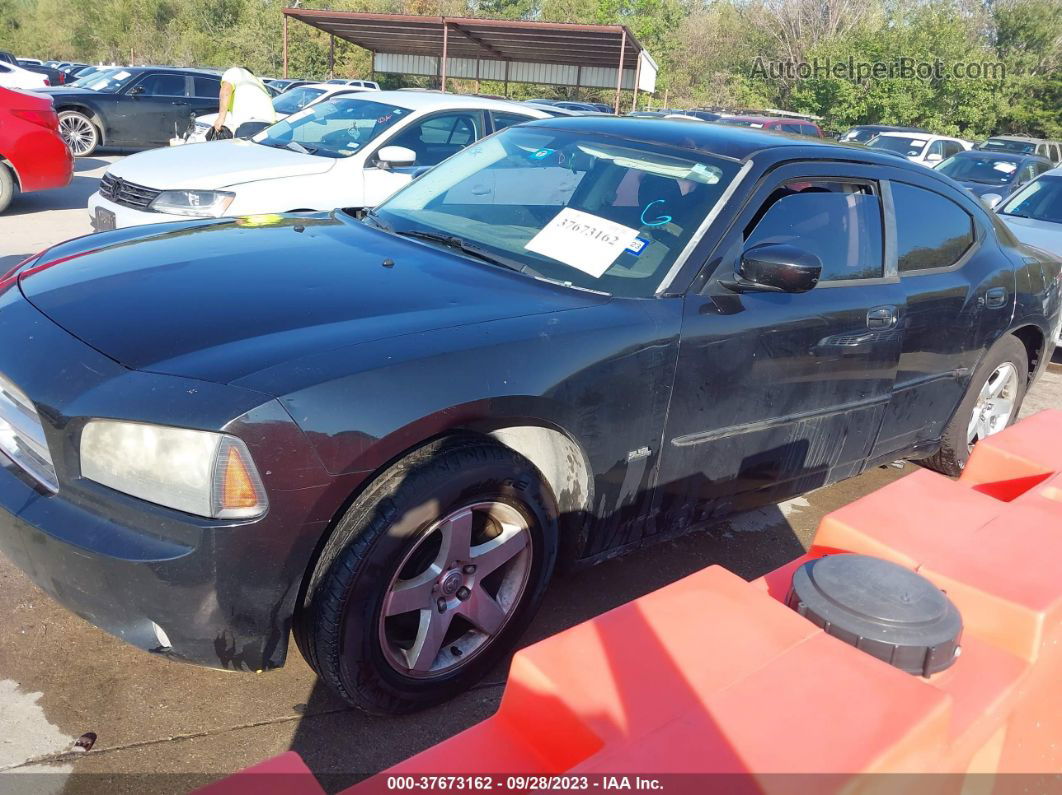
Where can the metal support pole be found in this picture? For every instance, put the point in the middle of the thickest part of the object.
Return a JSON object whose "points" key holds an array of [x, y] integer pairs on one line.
{"points": [[637, 77], [506, 79], [285, 45], [479, 62], [579, 82], [331, 56], [442, 63], [619, 69]]}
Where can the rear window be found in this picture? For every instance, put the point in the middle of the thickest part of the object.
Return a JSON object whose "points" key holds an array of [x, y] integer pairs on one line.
{"points": [[931, 230]]}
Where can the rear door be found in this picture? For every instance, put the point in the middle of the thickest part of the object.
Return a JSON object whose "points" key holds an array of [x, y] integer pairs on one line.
{"points": [[777, 393], [959, 291]]}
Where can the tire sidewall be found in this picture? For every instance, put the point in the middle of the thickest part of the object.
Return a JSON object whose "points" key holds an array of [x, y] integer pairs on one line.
{"points": [[8, 187], [386, 530]]}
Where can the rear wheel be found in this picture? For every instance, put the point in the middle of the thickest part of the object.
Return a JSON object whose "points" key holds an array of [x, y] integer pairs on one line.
{"points": [[8, 187], [992, 403], [430, 576], [80, 134]]}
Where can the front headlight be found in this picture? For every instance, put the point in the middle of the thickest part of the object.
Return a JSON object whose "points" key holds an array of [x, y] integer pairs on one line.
{"points": [[201, 203], [198, 472]]}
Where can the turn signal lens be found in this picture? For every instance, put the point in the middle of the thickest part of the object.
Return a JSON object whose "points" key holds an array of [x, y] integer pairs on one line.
{"points": [[239, 490]]}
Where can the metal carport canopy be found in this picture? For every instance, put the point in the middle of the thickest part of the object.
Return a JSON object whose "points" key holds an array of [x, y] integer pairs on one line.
{"points": [[557, 53]]}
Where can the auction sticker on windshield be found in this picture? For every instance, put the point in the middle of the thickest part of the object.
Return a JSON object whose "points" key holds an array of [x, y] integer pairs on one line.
{"points": [[585, 242]]}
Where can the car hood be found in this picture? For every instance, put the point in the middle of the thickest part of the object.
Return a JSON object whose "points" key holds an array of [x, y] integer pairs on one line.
{"points": [[216, 164], [55, 91], [981, 188], [221, 300], [1045, 235]]}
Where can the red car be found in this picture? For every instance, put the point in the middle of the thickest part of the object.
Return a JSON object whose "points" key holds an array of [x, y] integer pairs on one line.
{"points": [[33, 156], [774, 123]]}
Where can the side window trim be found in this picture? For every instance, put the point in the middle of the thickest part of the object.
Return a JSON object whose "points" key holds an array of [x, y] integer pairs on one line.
{"points": [[978, 234]]}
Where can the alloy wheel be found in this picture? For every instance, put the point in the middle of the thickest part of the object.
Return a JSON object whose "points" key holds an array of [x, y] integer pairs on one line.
{"points": [[78, 133], [995, 404], [456, 589]]}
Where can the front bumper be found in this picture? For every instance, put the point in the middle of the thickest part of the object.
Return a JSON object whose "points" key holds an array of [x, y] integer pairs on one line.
{"points": [[211, 592], [127, 216]]}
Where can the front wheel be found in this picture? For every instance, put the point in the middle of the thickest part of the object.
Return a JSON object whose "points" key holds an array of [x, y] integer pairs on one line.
{"points": [[8, 187], [80, 134], [992, 403], [430, 577]]}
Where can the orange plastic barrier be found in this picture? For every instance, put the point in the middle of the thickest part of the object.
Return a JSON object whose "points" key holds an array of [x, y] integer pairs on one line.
{"points": [[715, 674]]}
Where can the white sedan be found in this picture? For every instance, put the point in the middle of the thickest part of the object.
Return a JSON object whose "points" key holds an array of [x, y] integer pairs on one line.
{"points": [[350, 152], [14, 76], [1034, 215], [283, 104], [924, 148]]}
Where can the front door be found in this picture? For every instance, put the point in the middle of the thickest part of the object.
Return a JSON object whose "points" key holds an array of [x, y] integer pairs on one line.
{"points": [[152, 108], [777, 393]]}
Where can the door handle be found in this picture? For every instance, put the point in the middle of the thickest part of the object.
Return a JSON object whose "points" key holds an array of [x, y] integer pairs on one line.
{"points": [[996, 297], [881, 317]]}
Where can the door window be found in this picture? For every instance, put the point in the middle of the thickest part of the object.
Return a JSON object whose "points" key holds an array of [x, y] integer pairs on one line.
{"points": [[952, 148], [935, 148], [163, 85], [438, 137], [792, 128], [207, 87], [839, 222], [503, 120], [931, 231]]}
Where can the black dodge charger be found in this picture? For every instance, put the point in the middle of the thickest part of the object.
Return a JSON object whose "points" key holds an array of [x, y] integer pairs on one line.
{"points": [[574, 338]]}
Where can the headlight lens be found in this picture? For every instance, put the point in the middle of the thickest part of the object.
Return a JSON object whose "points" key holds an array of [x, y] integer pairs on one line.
{"points": [[198, 472], [201, 203]]}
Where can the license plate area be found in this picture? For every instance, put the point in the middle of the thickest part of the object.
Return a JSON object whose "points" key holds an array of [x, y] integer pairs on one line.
{"points": [[104, 220]]}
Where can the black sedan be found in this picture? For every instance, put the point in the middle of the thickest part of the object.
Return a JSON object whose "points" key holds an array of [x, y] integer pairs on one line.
{"points": [[132, 106], [993, 174], [576, 337]]}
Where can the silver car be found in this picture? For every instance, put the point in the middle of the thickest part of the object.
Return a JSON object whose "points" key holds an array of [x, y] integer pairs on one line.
{"points": [[1034, 215]]}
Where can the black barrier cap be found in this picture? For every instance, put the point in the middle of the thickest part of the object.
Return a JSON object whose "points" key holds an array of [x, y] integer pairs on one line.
{"points": [[888, 611]]}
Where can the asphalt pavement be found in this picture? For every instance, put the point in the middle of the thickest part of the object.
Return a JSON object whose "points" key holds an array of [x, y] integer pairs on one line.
{"points": [[165, 727]]}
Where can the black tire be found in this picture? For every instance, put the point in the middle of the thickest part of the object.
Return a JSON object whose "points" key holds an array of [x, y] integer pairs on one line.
{"points": [[81, 134], [338, 626], [8, 187], [954, 449]]}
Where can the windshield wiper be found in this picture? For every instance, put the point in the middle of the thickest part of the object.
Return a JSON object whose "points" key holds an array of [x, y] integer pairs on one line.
{"points": [[454, 242], [295, 146]]}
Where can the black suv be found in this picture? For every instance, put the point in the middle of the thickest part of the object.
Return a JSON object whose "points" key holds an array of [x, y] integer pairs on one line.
{"points": [[139, 106]]}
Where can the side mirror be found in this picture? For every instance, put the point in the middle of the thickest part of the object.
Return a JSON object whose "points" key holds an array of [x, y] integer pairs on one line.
{"points": [[776, 268], [136, 91], [934, 158], [990, 200], [395, 157]]}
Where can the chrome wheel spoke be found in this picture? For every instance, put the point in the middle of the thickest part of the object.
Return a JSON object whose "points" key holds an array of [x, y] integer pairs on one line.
{"points": [[498, 551], [430, 636], [483, 612], [413, 594], [456, 537]]}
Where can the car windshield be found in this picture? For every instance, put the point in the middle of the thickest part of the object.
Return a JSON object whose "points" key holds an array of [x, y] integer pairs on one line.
{"points": [[1018, 147], [585, 210], [333, 128], [901, 145], [105, 81], [857, 134], [296, 99], [1040, 200], [988, 170]]}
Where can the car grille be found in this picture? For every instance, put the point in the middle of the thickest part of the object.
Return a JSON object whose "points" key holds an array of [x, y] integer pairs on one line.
{"points": [[128, 194], [22, 435]]}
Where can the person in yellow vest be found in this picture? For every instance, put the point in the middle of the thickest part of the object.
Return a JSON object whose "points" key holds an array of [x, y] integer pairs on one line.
{"points": [[244, 106]]}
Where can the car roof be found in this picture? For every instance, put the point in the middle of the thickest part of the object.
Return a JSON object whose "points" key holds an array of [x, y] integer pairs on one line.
{"points": [[429, 100], [985, 154], [1023, 138], [719, 139]]}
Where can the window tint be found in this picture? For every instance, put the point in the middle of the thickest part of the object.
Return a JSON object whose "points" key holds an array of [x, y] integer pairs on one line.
{"points": [[952, 148], [437, 138], [792, 128], [503, 120], [207, 87], [161, 85], [931, 231], [807, 129], [839, 222]]}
